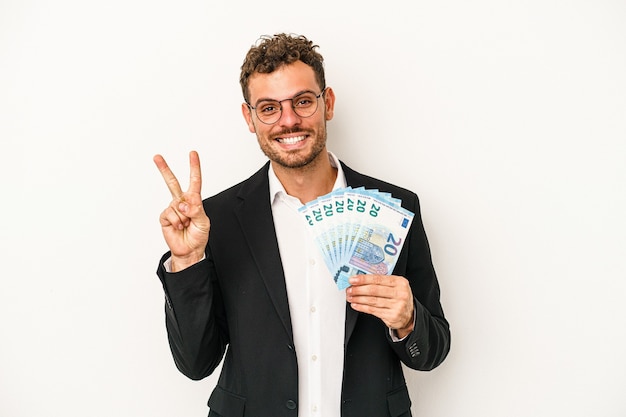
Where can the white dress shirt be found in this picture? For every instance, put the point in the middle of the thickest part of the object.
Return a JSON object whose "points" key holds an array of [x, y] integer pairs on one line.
{"points": [[317, 307]]}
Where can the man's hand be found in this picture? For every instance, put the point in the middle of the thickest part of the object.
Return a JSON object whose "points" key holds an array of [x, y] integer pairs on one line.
{"points": [[184, 223], [388, 297]]}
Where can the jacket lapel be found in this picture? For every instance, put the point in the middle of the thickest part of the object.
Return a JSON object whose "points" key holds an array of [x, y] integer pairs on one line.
{"points": [[257, 223]]}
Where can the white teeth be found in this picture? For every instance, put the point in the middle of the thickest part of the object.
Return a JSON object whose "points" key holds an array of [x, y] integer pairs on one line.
{"points": [[291, 141]]}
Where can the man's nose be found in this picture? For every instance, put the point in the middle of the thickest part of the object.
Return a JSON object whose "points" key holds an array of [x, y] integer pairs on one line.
{"points": [[288, 116]]}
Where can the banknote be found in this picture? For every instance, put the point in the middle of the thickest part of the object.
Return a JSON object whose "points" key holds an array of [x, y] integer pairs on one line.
{"points": [[357, 231]]}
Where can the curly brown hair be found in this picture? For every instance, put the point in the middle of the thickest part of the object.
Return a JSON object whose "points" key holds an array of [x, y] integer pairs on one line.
{"points": [[272, 52]]}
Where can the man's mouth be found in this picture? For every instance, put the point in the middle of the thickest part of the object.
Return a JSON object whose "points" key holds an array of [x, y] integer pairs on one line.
{"points": [[291, 140]]}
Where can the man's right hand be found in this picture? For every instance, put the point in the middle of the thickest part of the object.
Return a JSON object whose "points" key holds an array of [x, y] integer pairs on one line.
{"points": [[184, 223]]}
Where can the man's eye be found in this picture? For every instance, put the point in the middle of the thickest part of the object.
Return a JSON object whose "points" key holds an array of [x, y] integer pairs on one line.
{"points": [[269, 108], [305, 101]]}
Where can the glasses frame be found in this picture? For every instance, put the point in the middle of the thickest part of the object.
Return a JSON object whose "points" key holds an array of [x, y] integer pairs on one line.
{"points": [[280, 104]]}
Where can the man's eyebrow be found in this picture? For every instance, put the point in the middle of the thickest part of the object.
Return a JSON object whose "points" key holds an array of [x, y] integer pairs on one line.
{"points": [[288, 98]]}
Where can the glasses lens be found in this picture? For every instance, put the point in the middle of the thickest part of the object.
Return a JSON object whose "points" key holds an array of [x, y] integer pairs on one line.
{"points": [[268, 111], [305, 104]]}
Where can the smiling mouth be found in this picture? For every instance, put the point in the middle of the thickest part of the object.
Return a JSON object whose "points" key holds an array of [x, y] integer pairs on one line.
{"points": [[291, 140]]}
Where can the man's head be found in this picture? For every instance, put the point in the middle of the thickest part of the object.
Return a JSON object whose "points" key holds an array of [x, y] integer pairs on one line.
{"points": [[272, 52], [287, 102]]}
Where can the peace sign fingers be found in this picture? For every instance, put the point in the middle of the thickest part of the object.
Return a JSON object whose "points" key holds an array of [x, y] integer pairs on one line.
{"points": [[184, 223]]}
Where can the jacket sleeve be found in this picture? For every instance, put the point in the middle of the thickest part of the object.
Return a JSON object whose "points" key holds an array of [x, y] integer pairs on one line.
{"points": [[428, 345], [194, 317]]}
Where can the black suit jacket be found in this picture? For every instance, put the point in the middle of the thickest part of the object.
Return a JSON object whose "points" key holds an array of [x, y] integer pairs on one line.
{"points": [[235, 301]]}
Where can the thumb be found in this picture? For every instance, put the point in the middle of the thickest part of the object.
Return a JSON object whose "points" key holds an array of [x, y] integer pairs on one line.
{"points": [[183, 207]]}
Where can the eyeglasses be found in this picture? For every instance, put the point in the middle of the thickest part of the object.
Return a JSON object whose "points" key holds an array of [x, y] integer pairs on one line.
{"points": [[303, 104]]}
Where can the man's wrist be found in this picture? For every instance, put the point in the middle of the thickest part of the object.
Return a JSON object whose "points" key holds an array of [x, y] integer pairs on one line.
{"points": [[400, 334], [404, 332], [177, 264]]}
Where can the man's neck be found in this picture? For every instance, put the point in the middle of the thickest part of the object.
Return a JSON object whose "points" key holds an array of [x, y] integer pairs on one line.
{"points": [[308, 182]]}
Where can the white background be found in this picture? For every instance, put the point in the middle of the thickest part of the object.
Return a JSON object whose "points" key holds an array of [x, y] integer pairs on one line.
{"points": [[507, 118]]}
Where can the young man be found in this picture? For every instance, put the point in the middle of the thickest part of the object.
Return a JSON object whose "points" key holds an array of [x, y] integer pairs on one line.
{"points": [[256, 287]]}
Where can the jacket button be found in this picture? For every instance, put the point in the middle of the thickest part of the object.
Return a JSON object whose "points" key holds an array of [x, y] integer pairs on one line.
{"points": [[291, 404]]}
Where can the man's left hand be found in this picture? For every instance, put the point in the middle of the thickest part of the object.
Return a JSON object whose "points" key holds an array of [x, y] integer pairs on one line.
{"points": [[388, 297]]}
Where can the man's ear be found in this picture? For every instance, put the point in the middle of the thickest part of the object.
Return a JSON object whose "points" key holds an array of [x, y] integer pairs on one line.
{"points": [[247, 114], [329, 103]]}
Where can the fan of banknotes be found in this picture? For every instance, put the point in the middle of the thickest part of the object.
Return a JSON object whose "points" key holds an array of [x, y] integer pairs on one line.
{"points": [[358, 231]]}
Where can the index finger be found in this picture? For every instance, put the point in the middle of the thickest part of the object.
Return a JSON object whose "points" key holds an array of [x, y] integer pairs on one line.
{"points": [[168, 176], [372, 279]]}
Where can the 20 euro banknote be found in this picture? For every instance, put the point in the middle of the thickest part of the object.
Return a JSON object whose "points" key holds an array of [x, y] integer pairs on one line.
{"points": [[358, 231]]}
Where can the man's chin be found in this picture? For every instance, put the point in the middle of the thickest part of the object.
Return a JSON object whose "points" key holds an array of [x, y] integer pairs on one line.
{"points": [[302, 158], [295, 160], [293, 163]]}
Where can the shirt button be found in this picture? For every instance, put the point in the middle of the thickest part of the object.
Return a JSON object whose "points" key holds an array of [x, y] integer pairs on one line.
{"points": [[290, 404], [313, 309], [314, 358], [312, 262], [314, 408]]}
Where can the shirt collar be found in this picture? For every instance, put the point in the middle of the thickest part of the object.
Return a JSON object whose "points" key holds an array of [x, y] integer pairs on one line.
{"points": [[277, 189]]}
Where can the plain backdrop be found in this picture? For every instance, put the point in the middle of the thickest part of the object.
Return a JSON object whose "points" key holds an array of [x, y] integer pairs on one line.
{"points": [[508, 118]]}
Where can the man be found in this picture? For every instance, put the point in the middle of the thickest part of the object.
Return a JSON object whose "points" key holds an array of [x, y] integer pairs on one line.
{"points": [[256, 288]]}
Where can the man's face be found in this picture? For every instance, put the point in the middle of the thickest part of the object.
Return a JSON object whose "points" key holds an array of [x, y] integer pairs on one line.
{"points": [[293, 141]]}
